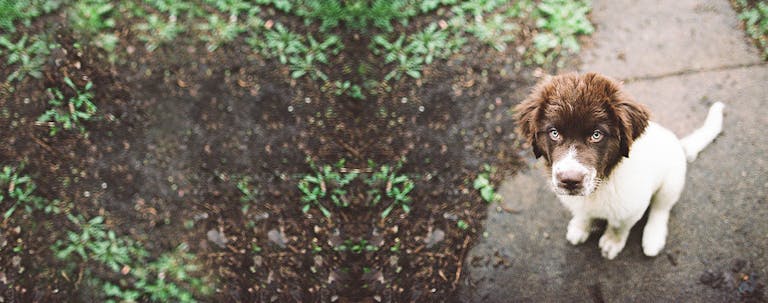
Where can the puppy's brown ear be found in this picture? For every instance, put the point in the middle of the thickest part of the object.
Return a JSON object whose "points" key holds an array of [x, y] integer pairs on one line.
{"points": [[633, 119], [527, 114]]}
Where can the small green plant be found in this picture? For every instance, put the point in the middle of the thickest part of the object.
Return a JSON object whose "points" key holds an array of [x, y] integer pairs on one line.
{"points": [[167, 278], [560, 22], [279, 42], [421, 48], [463, 225], [356, 246], [494, 32], [217, 31], [478, 7], [429, 43], [157, 31], [356, 14], [28, 57], [430, 5], [92, 16], [396, 187], [235, 7], [755, 18], [18, 188], [248, 192], [316, 186], [69, 113], [395, 52], [346, 87], [79, 242], [483, 184], [175, 8], [303, 54], [24, 11]]}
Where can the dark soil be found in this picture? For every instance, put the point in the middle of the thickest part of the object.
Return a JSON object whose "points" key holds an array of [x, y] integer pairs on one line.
{"points": [[178, 127]]}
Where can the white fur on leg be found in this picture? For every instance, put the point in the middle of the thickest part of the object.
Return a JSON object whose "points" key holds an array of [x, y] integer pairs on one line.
{"points": [[612, 242], [578, 230], [655, 233]]}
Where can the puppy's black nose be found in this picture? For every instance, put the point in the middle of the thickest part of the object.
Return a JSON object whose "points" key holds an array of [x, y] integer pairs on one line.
{"points": [[570, 180]]}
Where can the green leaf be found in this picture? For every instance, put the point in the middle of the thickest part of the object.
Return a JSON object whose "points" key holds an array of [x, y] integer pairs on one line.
{"points": [[386, 211], [324, 210], [481, 181], [487, 193]]}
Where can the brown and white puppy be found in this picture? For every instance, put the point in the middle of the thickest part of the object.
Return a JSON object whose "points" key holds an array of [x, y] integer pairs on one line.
{"points": [[606, 159]]}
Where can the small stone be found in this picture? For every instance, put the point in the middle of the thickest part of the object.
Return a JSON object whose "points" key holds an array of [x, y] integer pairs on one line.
{"points": [[217, 238], [434, 237], [277, 238], [16, 261], [258, 260]]}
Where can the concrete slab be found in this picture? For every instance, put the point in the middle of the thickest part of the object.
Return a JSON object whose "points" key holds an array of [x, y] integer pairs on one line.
{"points": [[656, 37], [721, 217]]}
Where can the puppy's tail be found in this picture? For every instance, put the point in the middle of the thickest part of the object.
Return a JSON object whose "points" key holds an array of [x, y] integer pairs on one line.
{"points": [[700, 138]]}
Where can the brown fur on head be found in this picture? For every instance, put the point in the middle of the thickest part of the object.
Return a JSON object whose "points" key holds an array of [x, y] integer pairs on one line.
{"points": [[577, 106]]}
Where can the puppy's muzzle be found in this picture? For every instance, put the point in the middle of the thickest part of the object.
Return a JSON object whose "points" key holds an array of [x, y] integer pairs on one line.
{"points": [[571, 180]]}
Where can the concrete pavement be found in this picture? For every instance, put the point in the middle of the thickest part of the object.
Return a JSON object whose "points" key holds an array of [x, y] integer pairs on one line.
{"points": [[677, 57]]}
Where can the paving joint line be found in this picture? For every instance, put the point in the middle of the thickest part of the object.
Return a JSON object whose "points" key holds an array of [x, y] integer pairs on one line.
{"points": [[693, 71]]}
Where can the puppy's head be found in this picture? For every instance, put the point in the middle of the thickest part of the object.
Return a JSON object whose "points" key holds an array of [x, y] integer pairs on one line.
{"points": [[582, 125]]}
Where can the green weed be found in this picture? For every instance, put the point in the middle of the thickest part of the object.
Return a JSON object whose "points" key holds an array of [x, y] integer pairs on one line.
{"points": [[217, 31], [477, 8], [24, 11], [95, 18], [483, 184], [346, 87], [29, 58], [430, 5], [356, 246], [283, 5], [235, 7], [356, 14], [421, 48], [248, 192], [463, 225], [317, 186], [494, 32], [18, 189], [559, 22], [176, 8], [279, 42], [756, 22], [395, 187], [303, 54], [167, 278], [157, 31], [69, 113], [92, 16]]}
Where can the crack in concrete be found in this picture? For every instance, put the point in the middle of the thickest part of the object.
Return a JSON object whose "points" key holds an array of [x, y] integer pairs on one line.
{"points": [[693, 71]]}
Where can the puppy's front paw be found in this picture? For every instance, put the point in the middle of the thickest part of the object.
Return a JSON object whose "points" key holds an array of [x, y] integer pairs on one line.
{"points": [[653, 241], [611, 245], [576, 234]]}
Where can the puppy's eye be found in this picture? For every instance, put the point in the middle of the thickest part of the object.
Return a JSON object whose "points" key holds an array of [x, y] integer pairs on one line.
{"points": [[554, 134], [596, 136]]}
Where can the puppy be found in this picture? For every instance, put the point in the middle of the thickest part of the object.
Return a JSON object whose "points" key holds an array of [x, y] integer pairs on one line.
{"points": [[606, 160]]}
